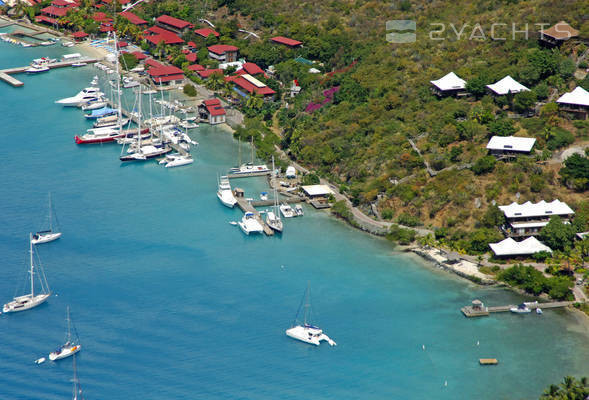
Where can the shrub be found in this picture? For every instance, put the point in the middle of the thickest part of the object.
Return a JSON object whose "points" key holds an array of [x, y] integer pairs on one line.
{"points": [[408, 220], [483, 165], [402, 235], [558, 138], [189, 90], [310, 179], [502, 127], [557, 235], [387, 213], [523, 101], [541, 256]]}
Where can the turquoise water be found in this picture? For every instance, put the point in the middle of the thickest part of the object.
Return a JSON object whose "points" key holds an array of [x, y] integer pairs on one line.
{"points": [[171, 301]]}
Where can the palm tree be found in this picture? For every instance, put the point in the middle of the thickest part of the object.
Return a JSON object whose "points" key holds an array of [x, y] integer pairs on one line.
{"points": [[255, 102], [160, 48], [215, 82]]}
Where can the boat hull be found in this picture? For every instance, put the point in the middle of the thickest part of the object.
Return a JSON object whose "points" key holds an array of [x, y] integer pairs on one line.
{"points": [[226, 202], [131, 157], [25, 303], [65, 352], [45, 237], [309, 334]]}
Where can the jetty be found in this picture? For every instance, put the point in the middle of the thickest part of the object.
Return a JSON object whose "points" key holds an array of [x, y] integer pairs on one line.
{"points": [[246, 206], [478, 309], [5, 74], [248, 175]]}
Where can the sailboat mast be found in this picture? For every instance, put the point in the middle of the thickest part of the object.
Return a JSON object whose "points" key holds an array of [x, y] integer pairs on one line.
{"points": [[50, 215], [32, 265], [139, 120], [307, 302], [69, 334], [252, 143]]}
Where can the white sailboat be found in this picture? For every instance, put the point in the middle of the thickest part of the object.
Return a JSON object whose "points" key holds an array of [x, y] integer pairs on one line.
{"points": [[28, 301], [249, 168], [305, 332], [70, 347], [49, 235], [249, 224], [273, 217], [225, 194]]}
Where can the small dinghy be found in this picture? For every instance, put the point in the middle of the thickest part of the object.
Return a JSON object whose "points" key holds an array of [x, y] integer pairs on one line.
{"points": [[539, 311], [40, 360]]}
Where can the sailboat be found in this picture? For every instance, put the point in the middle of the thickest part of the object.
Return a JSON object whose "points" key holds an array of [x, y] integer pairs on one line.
{"points": [[249, 168], [28, 301], [305, 332], [49, 235], [273, 217], [70, 347]]}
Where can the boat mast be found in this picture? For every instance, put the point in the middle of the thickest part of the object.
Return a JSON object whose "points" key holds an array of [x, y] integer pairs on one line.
{"points": [[307, 302], [32, 266], [252, 144], [69, 335], [50, 215], [139, 120]]}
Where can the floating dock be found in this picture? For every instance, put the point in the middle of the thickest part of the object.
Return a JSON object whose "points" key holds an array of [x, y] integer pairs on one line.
{"points": [[5, 74], [246, 206], [488, 361], [481, 311]]}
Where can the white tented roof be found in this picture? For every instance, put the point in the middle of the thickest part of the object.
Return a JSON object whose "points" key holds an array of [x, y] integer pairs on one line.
{"points": [[506, 85], [510, 247], [253, 80], [579, 96], [449, 82], [511, 143], [317, 190], [291, 172], [540, 209]]}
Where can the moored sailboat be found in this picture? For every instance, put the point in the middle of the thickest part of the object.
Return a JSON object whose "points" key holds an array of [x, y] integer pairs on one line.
{"points": [[48, 235], [31, 300], [70, 347]]}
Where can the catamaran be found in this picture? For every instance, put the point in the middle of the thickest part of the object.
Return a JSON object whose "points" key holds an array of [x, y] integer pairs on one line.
{"points": [[28, 301], [71, 346], [48, 235], [249, 224], [225, 194], [305, 332], [249, 168]]}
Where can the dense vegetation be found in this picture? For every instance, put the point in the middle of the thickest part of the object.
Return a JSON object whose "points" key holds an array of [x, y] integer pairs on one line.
{"points": [[534, 282], [570, 389]]}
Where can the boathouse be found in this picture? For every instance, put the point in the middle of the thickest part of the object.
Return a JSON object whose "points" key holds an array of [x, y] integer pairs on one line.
{"points": [[132, 18], [315, 192], [223, 52], [449, 85], [505, 86], [557, 34], [575, 102], [510, 248], [510, 145], [529, 218], [79, 36], [173, 24], [212, 111], [286, 41], [166, 75], [206, 32]]}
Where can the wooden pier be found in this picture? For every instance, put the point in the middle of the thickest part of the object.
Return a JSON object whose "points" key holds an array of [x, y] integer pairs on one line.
{"points": [[246, 206], [235, 176], [477, 310], [5, 74]]}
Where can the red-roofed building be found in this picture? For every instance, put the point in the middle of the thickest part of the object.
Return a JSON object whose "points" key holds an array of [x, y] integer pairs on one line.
{"points": [[247, 85], [250, 68], [191, 45], [101, 17], [55, 12], [46, 19], [223, 52], [132, 18], [61, 3], [153, 63], [173, 24], [191, 57], [122, 44], [205, 32], [139, 55], [158, 34], [196, 67], [166, 75], [212, 111], [205, 73], [286, 41], [80, 35], [106, 27]]}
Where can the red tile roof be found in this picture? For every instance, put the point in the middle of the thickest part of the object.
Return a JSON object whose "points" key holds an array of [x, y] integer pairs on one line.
{"points": [[251, 88], [212, 102], [205, 73], [106, 28], [252, 68], [139, 55], [175, 22], [205, 32], [132, 18], [61, 3], [153, 63], [196, 67], [191, 57], [44, 18], [160, 34], [100, 16], [79, 34], [167, 78], [286, 41], [165, 70], [214, 107], [55, 11], [222, 48], [191, 44]]}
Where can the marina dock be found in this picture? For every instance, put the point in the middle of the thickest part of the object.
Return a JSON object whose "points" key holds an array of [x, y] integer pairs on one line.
{"points": [[478, 310], [246, 206], [5, 74], [249, 175]]}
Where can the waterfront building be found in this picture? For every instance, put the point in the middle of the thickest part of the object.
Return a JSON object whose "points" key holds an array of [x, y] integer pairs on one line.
{"points": [[510, 248], [212, 111], [166, 75], [529, 218]]}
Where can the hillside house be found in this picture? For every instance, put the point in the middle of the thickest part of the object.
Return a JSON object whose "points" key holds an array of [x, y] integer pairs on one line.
{"points": [[529, 218], [156, 34], [510, 145], [557, 34], [132, 18], [205, 32], [223, 53], [286, 41], [575, 102], [449, 85], [176, 25], [505, 86]]}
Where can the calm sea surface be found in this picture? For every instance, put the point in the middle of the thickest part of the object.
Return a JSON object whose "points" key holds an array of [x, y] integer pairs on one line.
{"points": [[172, 302]]}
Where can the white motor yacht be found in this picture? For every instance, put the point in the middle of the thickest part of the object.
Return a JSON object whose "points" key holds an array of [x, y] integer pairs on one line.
{"points": [[249, 224], [129, 83], [287, 211], [225, 194], [299, 210], [83, 97], [179, 161], [249, 168], [520, 309]]}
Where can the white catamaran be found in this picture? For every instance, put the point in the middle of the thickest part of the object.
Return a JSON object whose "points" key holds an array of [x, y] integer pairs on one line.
{"points": [[28, 301], [48, 235], [71, 346], [305, 332]]}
